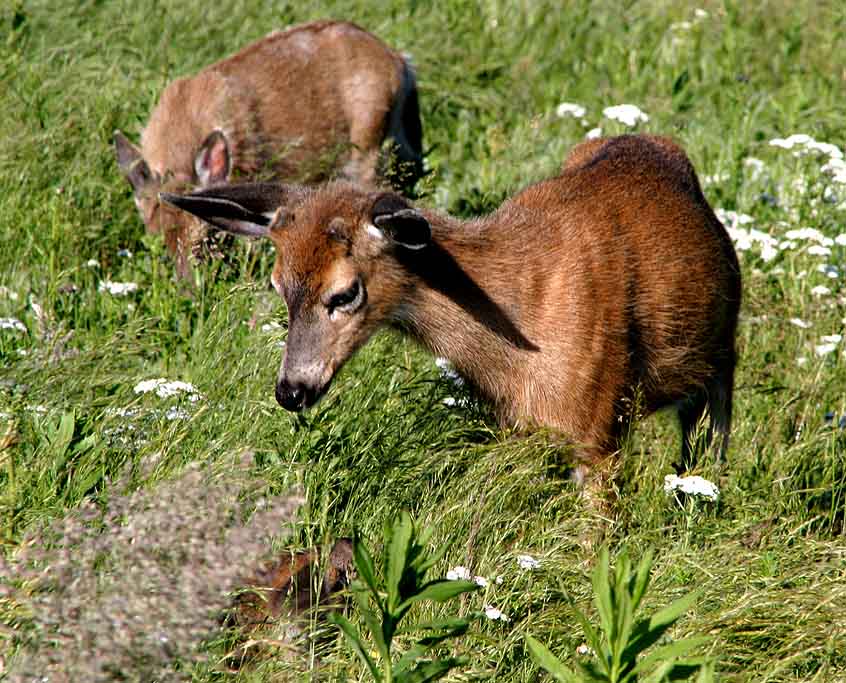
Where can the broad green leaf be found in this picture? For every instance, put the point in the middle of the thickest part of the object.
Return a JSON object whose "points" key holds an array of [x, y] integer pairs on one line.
{"points": [[602, 594], [397, 557], [354, 639], [422, 646], [549, 662], [641, 579], [364, 566], [439, 591], [374, 625], [668, 653], [647, 633], [672, 612], [425, 672]]}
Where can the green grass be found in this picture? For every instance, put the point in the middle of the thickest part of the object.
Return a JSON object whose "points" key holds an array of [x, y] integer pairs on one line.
{"points": [[769, 557]]}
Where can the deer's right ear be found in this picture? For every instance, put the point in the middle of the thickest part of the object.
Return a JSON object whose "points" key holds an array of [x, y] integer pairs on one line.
{"points": [[132, 164], [400, 221], [250, 209]]}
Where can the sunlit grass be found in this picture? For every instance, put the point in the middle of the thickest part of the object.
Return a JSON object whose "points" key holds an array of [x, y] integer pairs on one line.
{"points": [[767, 555]]}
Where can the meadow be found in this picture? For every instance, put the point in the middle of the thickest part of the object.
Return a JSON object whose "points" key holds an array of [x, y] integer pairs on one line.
{"points": [[202, 481]]}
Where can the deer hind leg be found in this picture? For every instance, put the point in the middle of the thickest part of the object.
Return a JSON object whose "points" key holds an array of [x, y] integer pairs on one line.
{"points": [[716, 396]]}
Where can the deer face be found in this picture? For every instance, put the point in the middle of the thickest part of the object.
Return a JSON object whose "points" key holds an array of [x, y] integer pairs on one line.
{"points": [[336, 267]]}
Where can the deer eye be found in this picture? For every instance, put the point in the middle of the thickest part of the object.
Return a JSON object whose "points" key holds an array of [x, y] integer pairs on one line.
{"points": [[346, 301]]}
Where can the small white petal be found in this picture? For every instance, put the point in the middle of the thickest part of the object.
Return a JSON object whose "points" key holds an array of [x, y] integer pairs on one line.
{"points": [[798, 322], [832, 338], [527, 562], [593, 133], [628, 114], [820, 290], [12, 324], [494, 614], [459, 572], [480, 581], [692, 485], [570, 109], [118, 288], [824, 349]]}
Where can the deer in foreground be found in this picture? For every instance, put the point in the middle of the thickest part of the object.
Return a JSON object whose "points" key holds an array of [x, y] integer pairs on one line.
{"points": [[303, 104], [612, 283]]}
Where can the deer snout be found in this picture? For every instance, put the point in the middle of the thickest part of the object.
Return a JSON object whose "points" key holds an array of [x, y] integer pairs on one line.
{"points": [[300, 387]]}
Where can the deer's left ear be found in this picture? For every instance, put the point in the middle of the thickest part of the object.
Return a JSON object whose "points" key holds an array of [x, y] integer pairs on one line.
{"points": [[250, 209], [212, 163], [400, 221]]}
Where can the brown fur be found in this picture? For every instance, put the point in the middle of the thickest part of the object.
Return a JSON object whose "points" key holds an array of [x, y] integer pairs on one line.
{"points": [[286, 587], [301, 104], [611, 285]]}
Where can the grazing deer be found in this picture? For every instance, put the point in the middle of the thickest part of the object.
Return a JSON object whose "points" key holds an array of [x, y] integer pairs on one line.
{"points": [[299, 104], [611, 284]]}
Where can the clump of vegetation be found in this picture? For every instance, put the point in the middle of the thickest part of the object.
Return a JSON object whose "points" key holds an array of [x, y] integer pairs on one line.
{"points": [[385, 597], [131, 589], [624, 635]]}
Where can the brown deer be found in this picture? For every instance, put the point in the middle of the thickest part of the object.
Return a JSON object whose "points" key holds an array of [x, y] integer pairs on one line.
{"points": [[610, 285], [303, 104]]}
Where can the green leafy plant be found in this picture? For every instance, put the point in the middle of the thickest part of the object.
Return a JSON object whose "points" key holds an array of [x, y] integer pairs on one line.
{"points": [[623, 638], [405, 562]]}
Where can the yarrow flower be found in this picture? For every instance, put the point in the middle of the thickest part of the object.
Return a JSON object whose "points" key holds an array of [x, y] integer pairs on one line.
{"points": [[820, 290], [118, 288], [627, 114], [458, 573], [480, 581], [166, 389], [692, 486], [568, 109], [527, 562], [593, 134], [798, 322], [12, 324], [494, 614]]}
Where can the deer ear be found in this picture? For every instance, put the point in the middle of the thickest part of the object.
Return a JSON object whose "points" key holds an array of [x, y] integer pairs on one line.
{"points": [[404, 224], [250, 209], [212, 161], [132, 165]]}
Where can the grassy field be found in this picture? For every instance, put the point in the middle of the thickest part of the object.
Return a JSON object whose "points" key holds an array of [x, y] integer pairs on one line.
{"points": [[724, 78]]}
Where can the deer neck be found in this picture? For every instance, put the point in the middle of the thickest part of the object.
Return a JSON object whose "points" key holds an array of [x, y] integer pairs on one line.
{"points": [[463, 301]]}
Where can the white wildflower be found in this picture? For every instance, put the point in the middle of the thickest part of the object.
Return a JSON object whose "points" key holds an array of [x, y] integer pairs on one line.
{"points": [[833, 151], [92, 263], [499, 580], [681, 26], [824, 349], [700, 13], [585, 649], [175, 413], [820, 290], [627, 114], [692, 486], [755, 166], [494, 614], [830, 271], [801, 360], [449, 372], [480, 581], [272, 326], [9, 294], [819, 250], [797, 140], [832, 338], [593, 133], [768, 252], [457, 573], [527, 562], [809, 234], [733, 218], [12, 324], [798, 322], [167, 389], [117, 288], [569, 109], [841, 239]]}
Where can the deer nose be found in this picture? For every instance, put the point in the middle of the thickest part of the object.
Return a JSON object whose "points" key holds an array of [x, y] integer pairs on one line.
{"points": [[291, 396]]}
